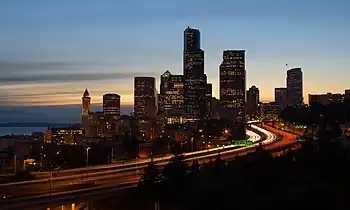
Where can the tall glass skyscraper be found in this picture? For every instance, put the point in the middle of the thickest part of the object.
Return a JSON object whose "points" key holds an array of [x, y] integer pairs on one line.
{"points": [[195, 80], [233, 82]]}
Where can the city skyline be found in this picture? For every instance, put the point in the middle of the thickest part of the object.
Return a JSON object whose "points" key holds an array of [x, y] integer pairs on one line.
{"points": [[42, 55]]}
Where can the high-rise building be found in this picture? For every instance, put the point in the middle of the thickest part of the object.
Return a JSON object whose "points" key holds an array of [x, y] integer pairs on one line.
{"points": [[252, 100], [295, 87], [281, 97], [144, 97], [192, 39], [111, 105], [111, 110], [233, 83], [194, 78]]}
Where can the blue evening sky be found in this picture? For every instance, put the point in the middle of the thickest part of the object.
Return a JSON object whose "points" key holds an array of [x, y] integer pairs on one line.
{"points": [[50, 51]]}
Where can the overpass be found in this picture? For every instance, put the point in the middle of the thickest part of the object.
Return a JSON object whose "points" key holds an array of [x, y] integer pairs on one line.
{"points": [[72, 188]]}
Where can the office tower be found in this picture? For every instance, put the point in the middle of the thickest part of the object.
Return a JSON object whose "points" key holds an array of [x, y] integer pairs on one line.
{"points": [[144, 97], [295, 87], [232, 83], [194, 77], [111, 105], [281, 97], [252, 100], [192, 39], [111, 110]]}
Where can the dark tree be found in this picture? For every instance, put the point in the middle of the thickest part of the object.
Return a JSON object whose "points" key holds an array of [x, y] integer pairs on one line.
{"points": [[176, 175], [149, 182]]}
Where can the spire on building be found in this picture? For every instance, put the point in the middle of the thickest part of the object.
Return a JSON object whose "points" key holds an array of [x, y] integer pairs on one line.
{"points": [[86, 93]]}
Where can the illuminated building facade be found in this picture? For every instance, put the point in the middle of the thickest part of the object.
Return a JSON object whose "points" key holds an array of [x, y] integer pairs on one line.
{"points": [[281, 97], [233, 83], [174, 95], [253, 99], [111, 105], [295, 87], [98, 125], [143, 128], [63, 136], [194, 78], [164, 85], [269, 111], [111, 109], [145, 97]]}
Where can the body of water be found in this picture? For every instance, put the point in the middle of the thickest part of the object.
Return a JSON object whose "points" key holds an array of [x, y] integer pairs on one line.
{"points": [[20, 130]]}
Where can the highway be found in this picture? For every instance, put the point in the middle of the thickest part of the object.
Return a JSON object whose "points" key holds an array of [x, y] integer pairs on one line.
{"points": [[101, 175], [252, 136], [129, 175]]}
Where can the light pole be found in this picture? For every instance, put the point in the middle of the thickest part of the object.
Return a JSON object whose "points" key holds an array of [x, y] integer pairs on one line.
{"points": [[87, 156], [112, 155], [192, 144], [41, 158]]}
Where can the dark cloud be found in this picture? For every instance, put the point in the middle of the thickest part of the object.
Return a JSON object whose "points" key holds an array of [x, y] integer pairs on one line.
{"points": [[26, 95], [62, 78], [39, 66]]}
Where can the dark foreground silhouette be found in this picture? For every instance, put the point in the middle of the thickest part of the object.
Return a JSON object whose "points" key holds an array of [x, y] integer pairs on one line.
{"points": [[314, 177]]}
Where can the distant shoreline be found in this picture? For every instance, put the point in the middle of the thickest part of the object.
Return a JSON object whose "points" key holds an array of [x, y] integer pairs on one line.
{"points": [[38, 124]]}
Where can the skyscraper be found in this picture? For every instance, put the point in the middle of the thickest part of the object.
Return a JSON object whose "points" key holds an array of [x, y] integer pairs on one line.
{"points": [[194, 78], [252, 100], [233, 83], [295, 87], [144, 97], [281, 97], [192, 39]]}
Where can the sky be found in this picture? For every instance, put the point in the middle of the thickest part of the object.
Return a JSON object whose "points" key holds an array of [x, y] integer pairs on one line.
{"points": [[50, 51]]}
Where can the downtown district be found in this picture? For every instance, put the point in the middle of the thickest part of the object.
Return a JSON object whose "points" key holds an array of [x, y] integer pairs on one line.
{"points": [[183, 115]]}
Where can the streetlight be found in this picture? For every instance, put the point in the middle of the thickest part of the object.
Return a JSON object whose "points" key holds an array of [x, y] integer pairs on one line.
{"points": [[41, 158], [87, 156]]}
